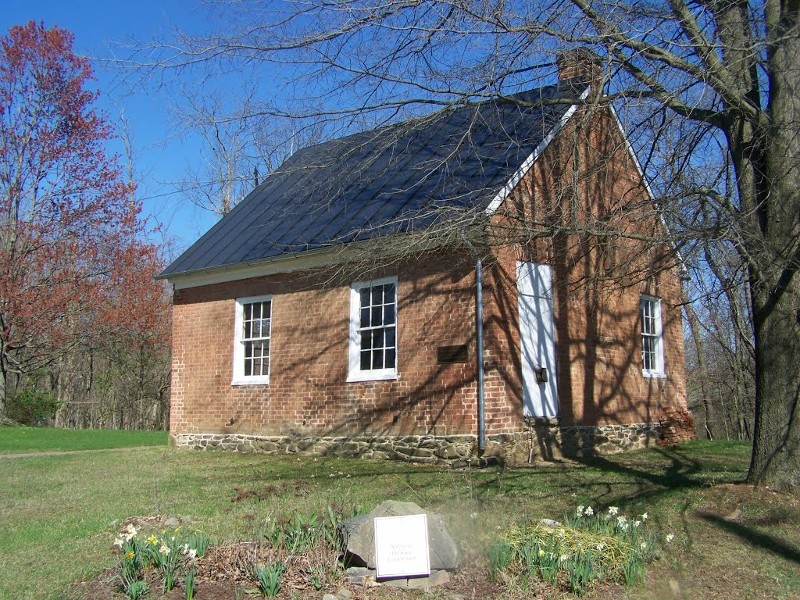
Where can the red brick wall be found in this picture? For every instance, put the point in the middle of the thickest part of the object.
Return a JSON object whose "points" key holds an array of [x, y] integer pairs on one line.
{"points": [[586, 181], [308, 391], [598, 285]]}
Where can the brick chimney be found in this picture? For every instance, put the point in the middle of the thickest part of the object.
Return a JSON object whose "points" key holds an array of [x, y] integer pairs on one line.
{"points": [[580, 66]]}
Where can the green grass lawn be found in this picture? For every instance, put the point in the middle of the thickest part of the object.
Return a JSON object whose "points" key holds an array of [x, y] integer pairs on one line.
{"points": [[58, 514], [15, 440]]}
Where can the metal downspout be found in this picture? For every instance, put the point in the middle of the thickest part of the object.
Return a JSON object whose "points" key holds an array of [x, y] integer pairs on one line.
{"points": [[479, 352], [479, 341]]}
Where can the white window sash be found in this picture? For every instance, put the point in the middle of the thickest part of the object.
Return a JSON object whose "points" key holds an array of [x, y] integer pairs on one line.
{"points": [[239, 378], [654, 333], [355, 373]]}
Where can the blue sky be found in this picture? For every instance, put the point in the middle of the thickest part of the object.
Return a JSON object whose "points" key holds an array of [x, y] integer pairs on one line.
{"points": [[161, 158]]}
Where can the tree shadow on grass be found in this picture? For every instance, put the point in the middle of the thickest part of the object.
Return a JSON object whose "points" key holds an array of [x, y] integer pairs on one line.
{"points": [[756, 538], [681, 471], [654, 475]]}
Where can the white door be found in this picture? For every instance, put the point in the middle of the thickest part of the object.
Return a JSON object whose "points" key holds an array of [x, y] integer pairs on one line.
{"points": [[537, 339]]}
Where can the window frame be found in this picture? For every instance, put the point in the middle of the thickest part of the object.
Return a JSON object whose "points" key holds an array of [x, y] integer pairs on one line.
{"points": [[239, 378], [657, 335], [355, 372]]}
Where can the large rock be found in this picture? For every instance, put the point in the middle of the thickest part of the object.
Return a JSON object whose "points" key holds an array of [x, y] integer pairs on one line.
{"points": [[358, 535]]}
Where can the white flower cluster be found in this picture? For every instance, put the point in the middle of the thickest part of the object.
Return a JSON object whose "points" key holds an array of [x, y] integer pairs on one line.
{"points": [[126, 535], [622, 522], [190, 552]]}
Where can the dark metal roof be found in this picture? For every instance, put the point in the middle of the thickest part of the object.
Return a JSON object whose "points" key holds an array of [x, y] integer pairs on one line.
{"points": [[398, 178]]}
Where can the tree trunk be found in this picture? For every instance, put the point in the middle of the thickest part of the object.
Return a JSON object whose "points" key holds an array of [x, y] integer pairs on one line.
{"points": [[3, 414], [774, 286], [775, 460]]}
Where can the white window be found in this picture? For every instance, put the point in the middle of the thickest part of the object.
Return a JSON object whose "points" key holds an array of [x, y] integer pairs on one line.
{"points": [[373, 330], [251, 340], [652, 337]]}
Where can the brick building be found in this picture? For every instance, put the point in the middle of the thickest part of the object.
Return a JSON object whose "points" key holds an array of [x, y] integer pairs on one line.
{"points": [[336, 308]]}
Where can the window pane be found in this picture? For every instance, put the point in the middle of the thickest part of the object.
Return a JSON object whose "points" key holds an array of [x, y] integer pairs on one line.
{"points": [[648, 321], [376, 327], [255, 332], [390, 337], [649, 353], [652, 358]]}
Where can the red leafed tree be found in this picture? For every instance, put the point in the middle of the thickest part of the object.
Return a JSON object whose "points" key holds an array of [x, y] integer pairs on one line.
{"points": [[68, 220]]}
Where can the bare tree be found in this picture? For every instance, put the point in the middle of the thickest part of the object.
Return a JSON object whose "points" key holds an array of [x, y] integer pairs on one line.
{"points": [[238, 148], [223, 172], [708, 91], [721, 356]]}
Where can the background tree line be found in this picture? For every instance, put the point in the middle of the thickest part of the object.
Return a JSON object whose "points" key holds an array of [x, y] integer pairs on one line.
{"points": [[84, 327]]}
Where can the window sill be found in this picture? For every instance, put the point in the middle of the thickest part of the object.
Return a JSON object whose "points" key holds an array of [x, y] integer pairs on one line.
{"points": [[654, 375], [251, 381], [387, 375]]}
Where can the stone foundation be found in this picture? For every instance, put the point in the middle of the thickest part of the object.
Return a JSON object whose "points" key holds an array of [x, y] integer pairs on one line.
{"points": [[537, 442]]}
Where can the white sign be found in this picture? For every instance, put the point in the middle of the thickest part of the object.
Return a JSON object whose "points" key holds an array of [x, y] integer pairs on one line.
{"points": [[401, 546]]}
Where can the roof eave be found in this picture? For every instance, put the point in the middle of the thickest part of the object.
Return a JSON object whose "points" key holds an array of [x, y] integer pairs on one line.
{"points": [[254, 268], [357, 253]]}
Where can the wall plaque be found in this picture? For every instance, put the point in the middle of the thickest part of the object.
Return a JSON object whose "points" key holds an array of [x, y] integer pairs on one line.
{"points": [[401, 546]]}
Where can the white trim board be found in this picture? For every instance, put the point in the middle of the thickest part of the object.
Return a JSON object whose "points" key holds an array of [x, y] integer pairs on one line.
{"points": [[528, 163]]}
